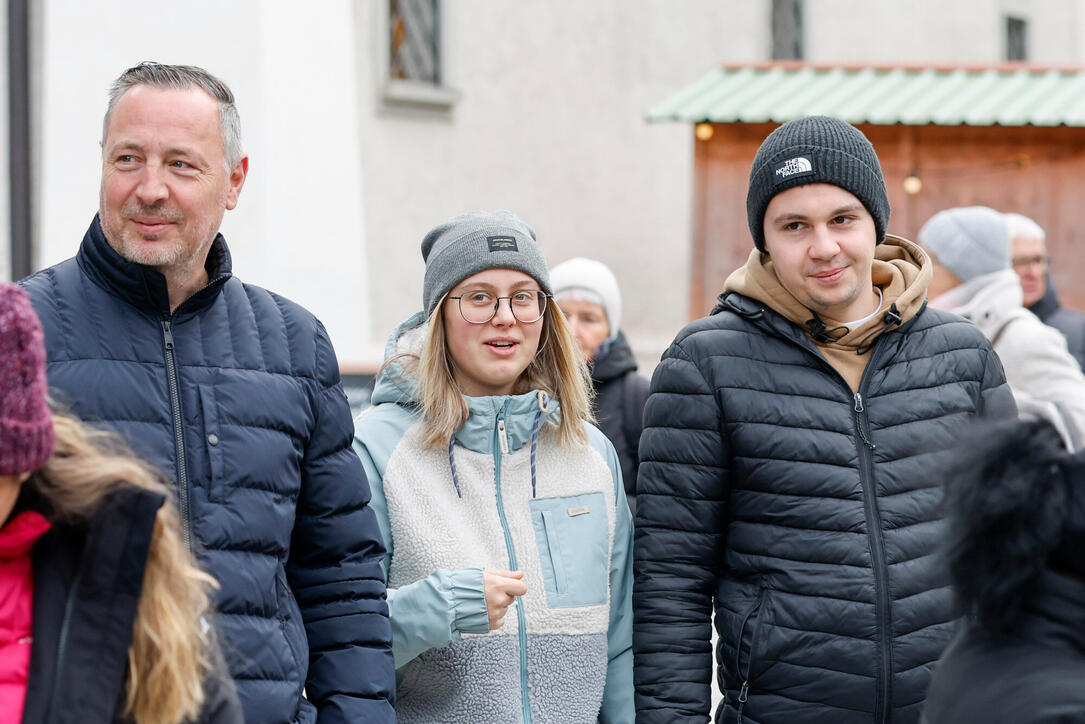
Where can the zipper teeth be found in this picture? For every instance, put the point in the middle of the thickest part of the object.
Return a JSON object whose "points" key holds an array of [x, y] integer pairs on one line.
{"points": [[62, 645], [179, 438], [881, 572], [521, 624]]}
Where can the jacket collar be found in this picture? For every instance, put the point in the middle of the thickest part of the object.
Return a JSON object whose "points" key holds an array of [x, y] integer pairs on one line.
{"points": [[1048, 304], [614, 362], [479, 433], [987, 301], [142, 286]]}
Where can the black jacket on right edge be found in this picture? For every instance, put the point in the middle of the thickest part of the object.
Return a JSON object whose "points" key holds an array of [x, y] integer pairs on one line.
{"points": [[808, 515], [1068, 321], [1033, 673]]}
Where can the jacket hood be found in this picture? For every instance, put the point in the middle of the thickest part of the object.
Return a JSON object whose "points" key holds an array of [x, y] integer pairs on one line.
{"points": [[986, 301], [396, 379], [901, 270], [397, 383], [615, 361]]}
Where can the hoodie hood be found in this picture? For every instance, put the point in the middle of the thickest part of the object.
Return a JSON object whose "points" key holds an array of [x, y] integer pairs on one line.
{"points": [[901, 270], [397, 383]]}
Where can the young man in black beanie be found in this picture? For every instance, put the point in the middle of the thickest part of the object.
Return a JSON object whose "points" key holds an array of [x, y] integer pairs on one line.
{"points": [[786, 479]]}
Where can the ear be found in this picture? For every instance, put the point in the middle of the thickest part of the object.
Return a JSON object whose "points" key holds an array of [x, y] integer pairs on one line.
{"points": [[237, 180]]}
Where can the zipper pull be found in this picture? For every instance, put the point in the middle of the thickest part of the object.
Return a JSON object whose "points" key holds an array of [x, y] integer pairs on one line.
{"points": [[744, 693], [859, 421], [502, 438], [167, 334]]}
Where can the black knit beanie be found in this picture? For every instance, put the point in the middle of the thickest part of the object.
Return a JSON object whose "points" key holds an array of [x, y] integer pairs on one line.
{"points": [[812, 150]]}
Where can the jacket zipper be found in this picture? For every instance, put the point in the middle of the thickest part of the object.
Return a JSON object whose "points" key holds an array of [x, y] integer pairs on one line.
{"points": [[744, 691], [62, 644], [178, 435], [502, 446], [865, 448], [870, 506]]}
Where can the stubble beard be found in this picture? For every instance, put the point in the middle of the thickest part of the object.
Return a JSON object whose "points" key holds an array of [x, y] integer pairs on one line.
{"points": [[131, 245]]}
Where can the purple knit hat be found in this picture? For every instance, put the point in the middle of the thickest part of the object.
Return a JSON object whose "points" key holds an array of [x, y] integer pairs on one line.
{"points": [[26, 425]]}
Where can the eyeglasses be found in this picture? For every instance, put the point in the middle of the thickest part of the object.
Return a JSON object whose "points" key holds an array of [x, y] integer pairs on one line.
{"points": [[479, 307], [1021, 262]]}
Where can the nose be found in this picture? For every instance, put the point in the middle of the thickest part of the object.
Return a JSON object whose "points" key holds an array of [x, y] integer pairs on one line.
{"points": [[824, 244], [503, 316], [152, 186]]}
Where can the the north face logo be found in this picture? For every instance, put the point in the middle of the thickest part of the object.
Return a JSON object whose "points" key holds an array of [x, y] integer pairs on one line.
{"points": [[793, 167]]}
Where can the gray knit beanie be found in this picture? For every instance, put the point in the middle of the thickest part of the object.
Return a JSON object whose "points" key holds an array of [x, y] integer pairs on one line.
{"points": [[970, 241], [816, 150], [474, 242]]}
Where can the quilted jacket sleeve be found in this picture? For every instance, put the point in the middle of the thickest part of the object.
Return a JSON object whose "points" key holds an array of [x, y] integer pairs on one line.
{"points": [[997, 398], [335, 567], [679, 540]]}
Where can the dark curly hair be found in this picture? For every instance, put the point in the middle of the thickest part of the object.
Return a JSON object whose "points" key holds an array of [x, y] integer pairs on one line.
{"points": [[1011, 509]]}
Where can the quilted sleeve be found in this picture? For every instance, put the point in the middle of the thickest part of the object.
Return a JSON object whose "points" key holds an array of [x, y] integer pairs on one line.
{"points": [[335, 566], [678, 544]]}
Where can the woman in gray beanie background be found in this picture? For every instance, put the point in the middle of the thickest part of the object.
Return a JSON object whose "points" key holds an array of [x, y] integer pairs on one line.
{"points": [[973, 277], [587, 292], [509, 539]]}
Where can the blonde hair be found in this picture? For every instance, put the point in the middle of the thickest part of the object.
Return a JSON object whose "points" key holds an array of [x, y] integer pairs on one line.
{"points": [[170, 651], [557, 368]]}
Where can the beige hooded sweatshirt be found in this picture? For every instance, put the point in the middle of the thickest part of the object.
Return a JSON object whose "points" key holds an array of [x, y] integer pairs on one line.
{"points": [[901, 269]]}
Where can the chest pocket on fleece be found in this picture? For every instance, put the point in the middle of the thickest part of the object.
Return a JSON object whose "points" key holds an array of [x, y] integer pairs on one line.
{"points": [[572, 537]]}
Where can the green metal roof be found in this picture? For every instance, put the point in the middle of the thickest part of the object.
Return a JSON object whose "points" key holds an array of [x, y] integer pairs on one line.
{"points": [[1004, 95]]}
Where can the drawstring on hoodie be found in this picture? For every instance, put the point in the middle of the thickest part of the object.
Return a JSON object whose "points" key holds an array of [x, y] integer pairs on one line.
{"points": [[544, 404], [820, 333], [452, 463], [892, 318], [534, 443]]}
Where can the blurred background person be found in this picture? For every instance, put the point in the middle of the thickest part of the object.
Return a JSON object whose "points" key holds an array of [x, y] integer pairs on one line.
{"points": [[1033, 267], [102, 608], [973, 277], [1015, 535], [587, 292]]}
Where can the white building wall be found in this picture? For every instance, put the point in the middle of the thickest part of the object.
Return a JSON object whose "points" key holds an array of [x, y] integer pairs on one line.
{"points": [[549, 123], [5, 173], [939, 31]]}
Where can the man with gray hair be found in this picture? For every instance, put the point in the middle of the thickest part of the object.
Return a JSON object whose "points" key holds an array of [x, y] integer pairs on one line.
{"points": [[233, 392], [1033, 267]]}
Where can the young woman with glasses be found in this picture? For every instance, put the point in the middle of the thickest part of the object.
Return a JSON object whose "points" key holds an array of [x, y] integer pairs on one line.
{"points": [[509, 538]]}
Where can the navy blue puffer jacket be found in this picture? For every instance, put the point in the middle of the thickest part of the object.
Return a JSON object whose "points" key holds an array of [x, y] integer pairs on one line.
{"points": [[236, 397], [806, 513]]}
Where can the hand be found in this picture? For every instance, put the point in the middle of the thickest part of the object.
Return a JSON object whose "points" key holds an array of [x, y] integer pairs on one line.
{"points": [[501, 588]]}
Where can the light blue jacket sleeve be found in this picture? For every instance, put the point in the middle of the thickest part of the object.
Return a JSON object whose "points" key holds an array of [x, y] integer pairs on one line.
{"points": [[431, 612], [618, 693]]}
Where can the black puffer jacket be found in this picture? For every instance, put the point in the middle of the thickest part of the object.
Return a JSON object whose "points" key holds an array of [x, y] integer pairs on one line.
{"points": [[1031, 674], [236, 397], [807, 514], [620, 394], [1068, 321], [88, 579]]}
